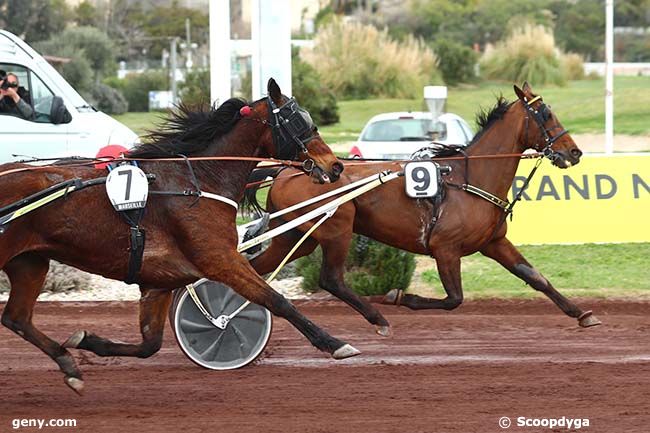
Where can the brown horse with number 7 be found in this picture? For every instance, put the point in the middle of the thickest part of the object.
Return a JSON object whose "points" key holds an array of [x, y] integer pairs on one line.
{"points": [[462, 224], [187, 237]]}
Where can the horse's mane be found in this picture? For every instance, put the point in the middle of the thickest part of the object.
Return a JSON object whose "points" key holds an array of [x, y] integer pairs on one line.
{"points": [[485, 118], [189, 130]]}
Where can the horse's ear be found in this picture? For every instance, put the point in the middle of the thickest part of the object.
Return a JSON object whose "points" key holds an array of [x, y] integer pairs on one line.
{"points": [[527, 88], [274, 91], [520, 93]]}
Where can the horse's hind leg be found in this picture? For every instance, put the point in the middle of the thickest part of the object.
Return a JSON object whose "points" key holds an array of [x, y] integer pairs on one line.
{"points": [[154, 305], [510, 258], [27, 274], [449, 270]]}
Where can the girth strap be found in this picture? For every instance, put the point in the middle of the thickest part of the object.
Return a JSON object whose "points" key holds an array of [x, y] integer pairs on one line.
{"points": [[137, 237]]}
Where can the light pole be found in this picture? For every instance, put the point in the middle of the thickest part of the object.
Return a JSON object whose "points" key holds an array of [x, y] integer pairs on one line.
{"points": [[609, 76], [173, 65]]}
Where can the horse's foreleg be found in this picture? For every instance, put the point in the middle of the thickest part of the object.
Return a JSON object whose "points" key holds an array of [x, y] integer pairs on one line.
{"points": [[331, 279], [449, 271], [27, 274], [154, 305], [510, 258], [241, 277]]}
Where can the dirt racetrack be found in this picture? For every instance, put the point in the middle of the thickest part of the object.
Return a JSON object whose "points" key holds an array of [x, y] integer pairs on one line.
{"points": [[457, 371]]}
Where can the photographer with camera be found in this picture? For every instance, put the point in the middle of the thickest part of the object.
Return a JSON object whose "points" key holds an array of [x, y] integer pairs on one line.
{"points": [[10, 101]]}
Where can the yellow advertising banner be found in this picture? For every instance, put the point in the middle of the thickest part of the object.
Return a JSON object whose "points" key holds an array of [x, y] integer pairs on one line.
{"points": [[602, 199]]}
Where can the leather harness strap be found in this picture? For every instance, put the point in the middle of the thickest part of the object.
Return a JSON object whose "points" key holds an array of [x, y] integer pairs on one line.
{"points": [[503, 204]]}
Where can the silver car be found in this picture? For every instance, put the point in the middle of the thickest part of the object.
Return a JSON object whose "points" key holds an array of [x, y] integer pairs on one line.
{"points": [[398, 135]]}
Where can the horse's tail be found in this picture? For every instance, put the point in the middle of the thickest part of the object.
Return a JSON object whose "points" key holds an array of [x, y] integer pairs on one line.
{"points": [[258, 175]]}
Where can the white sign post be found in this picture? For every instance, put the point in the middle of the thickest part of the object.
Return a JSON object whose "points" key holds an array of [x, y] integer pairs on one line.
{"points": [[271, 47], [271, 37], [219, 51]]}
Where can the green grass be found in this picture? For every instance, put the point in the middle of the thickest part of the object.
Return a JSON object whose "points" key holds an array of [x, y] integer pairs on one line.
{"points": [[580, 106], [141, 122], [593, 270]]}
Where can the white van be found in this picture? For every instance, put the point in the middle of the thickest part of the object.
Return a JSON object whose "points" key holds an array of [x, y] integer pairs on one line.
{"points": [[48, 134]]}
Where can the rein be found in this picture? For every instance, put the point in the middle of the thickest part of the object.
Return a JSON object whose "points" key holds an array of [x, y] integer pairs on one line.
{"points": [[267, 183], [272, 161], [92, 161], [446, 158]]}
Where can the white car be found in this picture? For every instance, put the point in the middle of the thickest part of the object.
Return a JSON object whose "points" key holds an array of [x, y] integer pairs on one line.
{"points": [[81, 133], [398, 135]]}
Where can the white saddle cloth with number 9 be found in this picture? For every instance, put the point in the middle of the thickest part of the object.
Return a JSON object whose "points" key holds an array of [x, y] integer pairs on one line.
{"points": [[422, 179]]}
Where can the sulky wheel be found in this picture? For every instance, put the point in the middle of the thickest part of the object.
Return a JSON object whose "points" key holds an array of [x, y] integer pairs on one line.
{"points": [[240, 343]]}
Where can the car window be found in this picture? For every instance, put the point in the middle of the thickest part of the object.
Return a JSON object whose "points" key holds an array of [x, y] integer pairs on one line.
{"points": [[461, 132], [32, 90], [398, 129], [42, 99], [467, 130], [437, 131]]}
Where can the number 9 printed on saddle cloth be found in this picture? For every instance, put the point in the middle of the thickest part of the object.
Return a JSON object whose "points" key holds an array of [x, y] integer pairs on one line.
{"points": [[422, 179], [127, 188]]}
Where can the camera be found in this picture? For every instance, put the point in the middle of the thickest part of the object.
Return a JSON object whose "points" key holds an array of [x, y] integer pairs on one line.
{"points": [[5, 85]]}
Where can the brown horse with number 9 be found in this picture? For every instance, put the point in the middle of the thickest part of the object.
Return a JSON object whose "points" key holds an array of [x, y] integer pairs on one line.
{"points": [[462, 224]]}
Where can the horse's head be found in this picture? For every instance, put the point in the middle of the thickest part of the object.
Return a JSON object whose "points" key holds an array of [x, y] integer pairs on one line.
{"points": [[544, 132], [293, 136]]}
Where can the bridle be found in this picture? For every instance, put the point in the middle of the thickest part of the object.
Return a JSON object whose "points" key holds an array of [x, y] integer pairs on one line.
{"points": [[541, 115], [292, 128]]}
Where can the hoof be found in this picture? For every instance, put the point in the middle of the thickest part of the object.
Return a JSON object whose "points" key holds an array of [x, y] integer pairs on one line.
{"points": [[587, 319], [73, 341], [384, 331], [76, 384], [345, 351], [394, 297]]}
